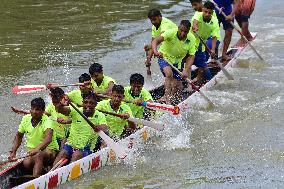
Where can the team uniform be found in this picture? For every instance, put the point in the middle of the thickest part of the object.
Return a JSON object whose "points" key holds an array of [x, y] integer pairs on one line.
{"points": [[62, 130], [174, 50], [244, 10], [115, 124], [103, 86], [76, 97], [82, 137], [226, 7], [35, 134], [137, 111], [165, 25]]}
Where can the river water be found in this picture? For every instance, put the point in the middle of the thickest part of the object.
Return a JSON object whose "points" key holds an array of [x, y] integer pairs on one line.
{"points": [[238, 144]]}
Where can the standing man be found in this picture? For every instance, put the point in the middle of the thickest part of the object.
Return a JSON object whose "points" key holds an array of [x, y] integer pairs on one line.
{"points": [[159, 25], [176, 44], [41, 139], [226, 7], [243, 13], [101, 83]]}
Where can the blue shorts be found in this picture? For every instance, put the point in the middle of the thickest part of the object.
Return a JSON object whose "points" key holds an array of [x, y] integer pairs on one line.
{"points": [[226, 24], [70, 150], [200, 58], [163, 63], [209, 44]]}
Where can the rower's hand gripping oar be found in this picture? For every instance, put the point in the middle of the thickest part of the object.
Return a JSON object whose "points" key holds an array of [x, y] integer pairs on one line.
{"points": [[193, 86], [34, 88], [226, 73], [120, 152], [244, 37], [153, 124], [152, 105], [2, 163]]}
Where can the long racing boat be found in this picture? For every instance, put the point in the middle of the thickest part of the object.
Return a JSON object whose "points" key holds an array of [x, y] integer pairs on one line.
{"points": [[13, 177]]}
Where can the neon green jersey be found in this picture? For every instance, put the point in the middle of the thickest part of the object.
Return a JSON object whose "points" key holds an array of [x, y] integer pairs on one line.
{"points": [[76, 97], [174, 50], [165, 25], [35, 135], [103, 86], [115, 124], [206, 29], [137, 111], [60, 129], [81, 133]]}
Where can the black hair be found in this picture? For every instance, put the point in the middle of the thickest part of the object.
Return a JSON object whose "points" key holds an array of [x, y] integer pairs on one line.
{"points": [[95, 68], [136, 78], [209, 5], [185, 23], [153, 13], [57, 92], [84, 77], [118, 88], [90, 94], [195, 1], [38, 102]]}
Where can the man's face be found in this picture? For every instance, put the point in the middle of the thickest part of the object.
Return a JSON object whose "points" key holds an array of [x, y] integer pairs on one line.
{"points": [[36, 112], [136, 88], [207, 14], [197, 6], [182, 32], [97, 76], [116, 98], [156, 21], [86, 87], [89, 105]]}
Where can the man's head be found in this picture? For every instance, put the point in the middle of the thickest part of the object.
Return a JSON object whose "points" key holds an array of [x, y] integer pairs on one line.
{"points": [[196, 5], [89, 103], [96, 72], [183, 29], [155, 17], [208, 9], [136, 83], [86, 79], [37, 108], [56, 95], [117, 94]]}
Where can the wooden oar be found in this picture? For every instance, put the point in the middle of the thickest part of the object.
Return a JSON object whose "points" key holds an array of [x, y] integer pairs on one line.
{"points": [[59, 164], [34, 88], [2, 163], [152, 105], [120, 152], [194, 87], [239, 31], [226, 73], [153, 124]]}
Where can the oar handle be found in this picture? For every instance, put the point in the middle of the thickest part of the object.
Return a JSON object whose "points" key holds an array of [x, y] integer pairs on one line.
{"points": [[116, 148], [113, 114], [13, 160]]}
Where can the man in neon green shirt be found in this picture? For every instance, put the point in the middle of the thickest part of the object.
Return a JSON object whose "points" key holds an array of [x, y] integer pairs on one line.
{"points": [[101, 83], [41, 139], [159, 25], [137, 94], [177, 44], [76, 96], [207, 26], [118, 127], [82, 137]]}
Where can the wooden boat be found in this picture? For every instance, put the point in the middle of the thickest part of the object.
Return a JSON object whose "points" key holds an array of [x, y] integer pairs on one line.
{"points": [[11, 177]]}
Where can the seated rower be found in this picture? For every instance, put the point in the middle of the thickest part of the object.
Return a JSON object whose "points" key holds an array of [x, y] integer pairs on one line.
{"points": [[76, 96], [176, 44], [101, 83], [118, 127], [82, 137], [137, 94], [41, 139]]}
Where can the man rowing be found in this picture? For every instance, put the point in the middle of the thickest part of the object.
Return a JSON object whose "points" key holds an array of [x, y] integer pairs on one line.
{"points": [[41, 139], [118, 127], [82, 138], [137, 94], [159, 25], [101, 83], [206, 26], [176, 44]]}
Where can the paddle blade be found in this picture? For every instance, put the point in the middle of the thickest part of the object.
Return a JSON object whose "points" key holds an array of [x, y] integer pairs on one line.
{"points": [[27, 89], [153, 124], [162, 107]]}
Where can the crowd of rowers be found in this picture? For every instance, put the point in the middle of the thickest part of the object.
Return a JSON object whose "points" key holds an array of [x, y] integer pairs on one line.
{"points": [[58, 131]]}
